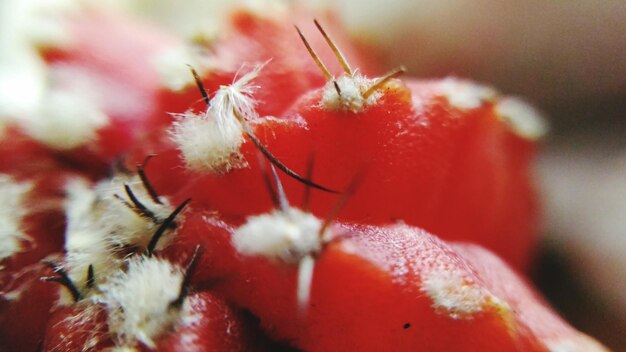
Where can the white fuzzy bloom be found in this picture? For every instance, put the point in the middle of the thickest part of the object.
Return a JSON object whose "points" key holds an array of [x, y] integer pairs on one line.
{"points": [[66, 119], [139, 300], [350, 95], [12, 213], [60, 117], [206, 145], [522, 118], [459, 296], [124, 226], [26, 25], [237, 97], [99, 226], [211, 141], [466, 95], [288, 235], [85, 239]]}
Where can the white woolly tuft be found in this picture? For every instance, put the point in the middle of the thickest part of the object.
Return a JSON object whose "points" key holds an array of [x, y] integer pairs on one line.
{"points": [[211, 141], [100, 226], [523, 119], [13, 211], [459, 296], [139, 300], [206, 145], [351, 97], [85, 239], [466, 95], [237, 97], [26, 25], [124, 226], [66, 120], [288, 235]]}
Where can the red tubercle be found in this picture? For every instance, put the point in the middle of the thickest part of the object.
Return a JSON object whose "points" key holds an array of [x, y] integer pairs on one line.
{"points": [[205, 230], [213, 325], [359, 293], [460, 173]]}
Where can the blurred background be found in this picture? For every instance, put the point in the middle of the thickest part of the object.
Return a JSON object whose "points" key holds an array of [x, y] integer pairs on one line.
{"points": [[567, 57]]}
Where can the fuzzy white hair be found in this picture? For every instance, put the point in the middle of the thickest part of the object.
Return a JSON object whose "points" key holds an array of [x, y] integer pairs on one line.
{"points": [[125, 226], [459, 295], [206, 145], [289, 235], [67, 119], [348, 94], [12, 197], [522, 118], [211, 141], [100, 225], [466, 95], [85, 239], [140, 300]]}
